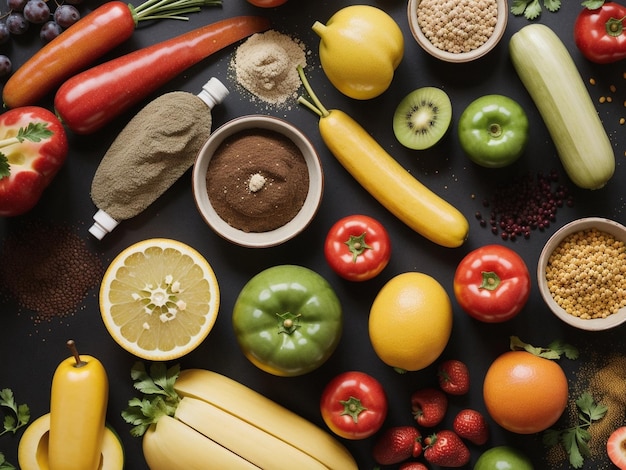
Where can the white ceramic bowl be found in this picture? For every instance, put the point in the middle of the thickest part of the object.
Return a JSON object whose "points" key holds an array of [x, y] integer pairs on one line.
{"points": [[271, 237], [446, 56], [604, 225]]}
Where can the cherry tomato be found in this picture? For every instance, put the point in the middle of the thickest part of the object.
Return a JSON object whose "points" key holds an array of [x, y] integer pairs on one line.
{"points": [[357, 247], [354, 405], [492, 283], [267, 3]]}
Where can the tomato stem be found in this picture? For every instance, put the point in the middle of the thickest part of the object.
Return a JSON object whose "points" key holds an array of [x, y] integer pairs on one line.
{"points": [[490, 281], [615, 26], [352, 407]]}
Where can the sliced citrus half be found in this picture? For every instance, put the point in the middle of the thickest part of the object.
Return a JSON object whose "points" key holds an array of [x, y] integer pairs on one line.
{"points": [[159, 299]]}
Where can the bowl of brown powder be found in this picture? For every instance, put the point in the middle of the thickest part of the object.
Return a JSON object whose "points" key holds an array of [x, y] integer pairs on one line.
{"points": [[457, 30], [258, 181], [582, 273]]}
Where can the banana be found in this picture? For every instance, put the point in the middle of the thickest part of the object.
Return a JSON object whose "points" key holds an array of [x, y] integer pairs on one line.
{"points": [[244, 439], [256, 410], [171, 444]]}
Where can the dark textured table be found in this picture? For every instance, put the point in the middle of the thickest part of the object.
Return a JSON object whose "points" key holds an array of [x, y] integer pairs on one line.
{"points": [[30, 351]]}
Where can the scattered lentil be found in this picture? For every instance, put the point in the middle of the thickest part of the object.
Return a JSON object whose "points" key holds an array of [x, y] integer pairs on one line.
{"points": [[525, 204], [457, 25], [48, 269], [586, 274]]}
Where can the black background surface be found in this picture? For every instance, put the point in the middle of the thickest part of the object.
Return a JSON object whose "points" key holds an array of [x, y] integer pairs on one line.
{"points": [[29, 353]]}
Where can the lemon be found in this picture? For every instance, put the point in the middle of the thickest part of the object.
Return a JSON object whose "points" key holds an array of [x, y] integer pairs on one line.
{"points": [[159, 299], [410, 321]]}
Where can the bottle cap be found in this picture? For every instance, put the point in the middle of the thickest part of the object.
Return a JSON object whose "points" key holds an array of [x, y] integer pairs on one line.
{"points": [[103, 224], [213, 92]]}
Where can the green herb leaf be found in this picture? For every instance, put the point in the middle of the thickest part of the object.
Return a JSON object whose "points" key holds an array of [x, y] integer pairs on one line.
{"points": [[4, 465], [575, 440], [554, 350], [5, 167], [593, 4], [35, 132], [531, 9], [20, 414], [159, 397]]}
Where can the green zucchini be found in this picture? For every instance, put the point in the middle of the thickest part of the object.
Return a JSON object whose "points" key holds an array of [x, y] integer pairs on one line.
{"points": [[548, 72]]}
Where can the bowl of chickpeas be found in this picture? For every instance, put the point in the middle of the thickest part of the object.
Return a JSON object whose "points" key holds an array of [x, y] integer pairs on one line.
{"points": [[457, 30], [582, 273]]}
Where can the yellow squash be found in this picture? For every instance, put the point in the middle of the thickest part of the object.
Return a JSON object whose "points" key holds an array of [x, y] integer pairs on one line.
{"points": [[78, 404], [220, 423], [360, 48], [386, 180]]}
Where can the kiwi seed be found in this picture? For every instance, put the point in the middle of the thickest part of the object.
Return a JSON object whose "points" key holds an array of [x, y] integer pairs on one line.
{"points": [[422, 118]]}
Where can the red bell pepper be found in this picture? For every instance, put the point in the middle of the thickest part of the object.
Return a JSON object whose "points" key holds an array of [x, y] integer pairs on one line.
{"points": [[600, 32], [91, 99], [492, 283], [33, 147]]}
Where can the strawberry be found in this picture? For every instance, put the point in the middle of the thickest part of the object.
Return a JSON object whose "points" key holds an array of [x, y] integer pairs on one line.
{"points": [[454, 377], [471, 425], [429, 406], [413, 466], [397, 444], [616, 447], [446, 449]]}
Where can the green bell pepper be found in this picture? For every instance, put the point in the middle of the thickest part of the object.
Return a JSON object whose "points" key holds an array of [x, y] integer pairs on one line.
{"points": [[287, 320], [493, 131]]}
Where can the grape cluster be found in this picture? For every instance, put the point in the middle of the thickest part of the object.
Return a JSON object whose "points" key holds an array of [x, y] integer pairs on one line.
{"points": [[23, 14]]}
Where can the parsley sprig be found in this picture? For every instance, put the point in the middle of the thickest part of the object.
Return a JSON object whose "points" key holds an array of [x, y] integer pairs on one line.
{"points": [[554, 350], [575, 439], [531, 9], [4, 465], [159, 397], [18, 416], [35, 132]]}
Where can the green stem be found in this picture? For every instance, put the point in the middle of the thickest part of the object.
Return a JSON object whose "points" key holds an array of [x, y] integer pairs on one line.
{"points": [[317, 107], [169, 9]]}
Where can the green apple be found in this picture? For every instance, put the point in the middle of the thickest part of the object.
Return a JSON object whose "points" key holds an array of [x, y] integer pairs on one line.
{"points": [[503, 458]]}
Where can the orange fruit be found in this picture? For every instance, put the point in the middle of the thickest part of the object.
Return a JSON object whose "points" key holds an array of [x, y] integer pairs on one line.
{"points": [[159, 299], [410, 321], [525, 393]]}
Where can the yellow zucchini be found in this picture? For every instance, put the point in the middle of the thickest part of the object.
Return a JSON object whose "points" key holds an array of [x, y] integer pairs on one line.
{"points": [[385, 179], [549, 73]]}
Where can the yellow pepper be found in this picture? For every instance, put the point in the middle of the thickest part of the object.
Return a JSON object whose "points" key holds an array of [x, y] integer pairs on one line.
{"points": [[78, 403], [361, 46]]}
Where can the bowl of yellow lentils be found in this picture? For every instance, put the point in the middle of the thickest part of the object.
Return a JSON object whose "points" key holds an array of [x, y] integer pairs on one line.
{"points": [[457, 30], [582, 273]]}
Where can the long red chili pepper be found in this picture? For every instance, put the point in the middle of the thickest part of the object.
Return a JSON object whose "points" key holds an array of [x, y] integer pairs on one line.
{"points": [[85, 41], [89, 100]]}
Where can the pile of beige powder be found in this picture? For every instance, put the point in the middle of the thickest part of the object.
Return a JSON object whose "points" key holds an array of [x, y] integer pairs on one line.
{"points": [[266, 65]]}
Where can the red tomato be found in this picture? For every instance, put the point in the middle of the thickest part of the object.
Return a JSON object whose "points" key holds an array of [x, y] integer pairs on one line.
{"points": [[600, 33], [492, 283], [354, 405], [267, 3], [357, 247]]}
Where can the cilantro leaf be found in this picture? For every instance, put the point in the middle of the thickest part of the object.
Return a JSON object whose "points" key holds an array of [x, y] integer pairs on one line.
{"points": [[4, 465], [531, 9], [159, 397], [5, 167], [592, 4], [575, 440], [553, 351], [19, 416]]}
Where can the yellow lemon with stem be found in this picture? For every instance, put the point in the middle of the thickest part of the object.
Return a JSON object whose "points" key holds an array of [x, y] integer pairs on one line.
{"points": [[159, 299], [410, 321]]}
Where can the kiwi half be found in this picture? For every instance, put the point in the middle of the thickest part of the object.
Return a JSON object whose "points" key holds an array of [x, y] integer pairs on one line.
{"points": [[422, 118]]}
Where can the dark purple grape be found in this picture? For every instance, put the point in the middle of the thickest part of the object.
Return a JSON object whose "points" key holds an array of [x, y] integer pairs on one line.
{"points": [[16, 23], [49, 31], [66, 15], [5, 35], [5, 66], [36, 11], [16, 5]]}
